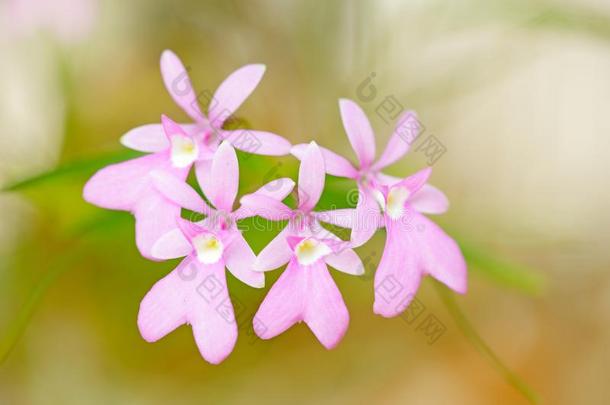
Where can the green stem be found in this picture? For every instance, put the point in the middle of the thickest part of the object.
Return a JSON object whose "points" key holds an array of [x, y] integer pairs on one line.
{"points": [[479, 344]]}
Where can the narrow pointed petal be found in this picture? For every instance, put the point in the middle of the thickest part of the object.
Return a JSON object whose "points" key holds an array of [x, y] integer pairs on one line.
{"points": [[346, 261], [171, 245], [192, 294], [233, 91], [311, 178], [239, 259], [359, 131], [276, 254], [343, 217], [335, 164], [284, 304], [429, 200], [325, 312], [387, 180], [266, 207], [203, 172], [416, 181], [258, 142], [277, 189], [404, 135], [225, 178], [179, 192], [368, 218], [398, 276], [178, 84], [146, 138]]}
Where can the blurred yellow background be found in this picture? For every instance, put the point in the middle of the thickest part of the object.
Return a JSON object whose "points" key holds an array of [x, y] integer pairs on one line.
{"points": [[516, 91]]}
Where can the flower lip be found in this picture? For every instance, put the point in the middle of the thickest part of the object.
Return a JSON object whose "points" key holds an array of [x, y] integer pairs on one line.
{"points": [[310, 250], [184, 150], [208, 247], [395, 201]]}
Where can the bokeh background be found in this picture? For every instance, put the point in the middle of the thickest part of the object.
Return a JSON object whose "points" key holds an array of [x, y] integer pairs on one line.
{"points": [[516, 91]]}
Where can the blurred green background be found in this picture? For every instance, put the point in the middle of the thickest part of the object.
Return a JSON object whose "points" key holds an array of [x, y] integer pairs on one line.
{"points": [[516, 91]]}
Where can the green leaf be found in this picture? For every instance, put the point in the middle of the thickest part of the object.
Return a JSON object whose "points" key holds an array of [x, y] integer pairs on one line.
{"points": [[71, 168], [479, 344]]}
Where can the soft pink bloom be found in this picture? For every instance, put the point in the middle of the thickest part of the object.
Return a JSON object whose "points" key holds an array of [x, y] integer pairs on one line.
{"points": [[207, 129], [128, 186], [196, 292], [415, 245], [305, 291]]}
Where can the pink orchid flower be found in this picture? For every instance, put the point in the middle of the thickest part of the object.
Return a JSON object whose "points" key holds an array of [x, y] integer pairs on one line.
{"points": [[207, 129], [408, 253], [305, 291], [368, 172], [415, 246], [128, 186], [196, 292]]}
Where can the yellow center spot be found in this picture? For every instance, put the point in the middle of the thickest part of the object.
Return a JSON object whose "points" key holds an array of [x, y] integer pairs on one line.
{"points": [[209, 249], [308, 251], [184, 150], [395, 202]]}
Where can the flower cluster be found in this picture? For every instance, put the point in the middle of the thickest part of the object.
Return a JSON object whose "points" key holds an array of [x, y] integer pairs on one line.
{"points": [[154, 189]]}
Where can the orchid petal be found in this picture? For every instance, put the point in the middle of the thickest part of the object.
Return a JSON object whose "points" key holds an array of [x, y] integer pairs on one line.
{"points": [[311, 178], [257, 142], [178, 84], [127, 186], [415, 248], [359, 131], [192, 294], [441, 256], [203, 172], [276, 254], [387, 180], [277, 189], [404, 135], [325, 311], [155, 216], [415, 182], [240, 258], [304, 294], [429, 200], [171, 245], [120, 186], [343, 217], [335, 164], [284, 304], [266, 207], [146, 138], [225, 177], [367, 218], [233, 91], [179, 192], [346, 261], [398, 276]]}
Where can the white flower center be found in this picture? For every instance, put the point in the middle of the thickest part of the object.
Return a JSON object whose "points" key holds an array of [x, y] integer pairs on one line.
{"points": [[395, 203], [184, 150], [209, 249], [308, 251]]}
